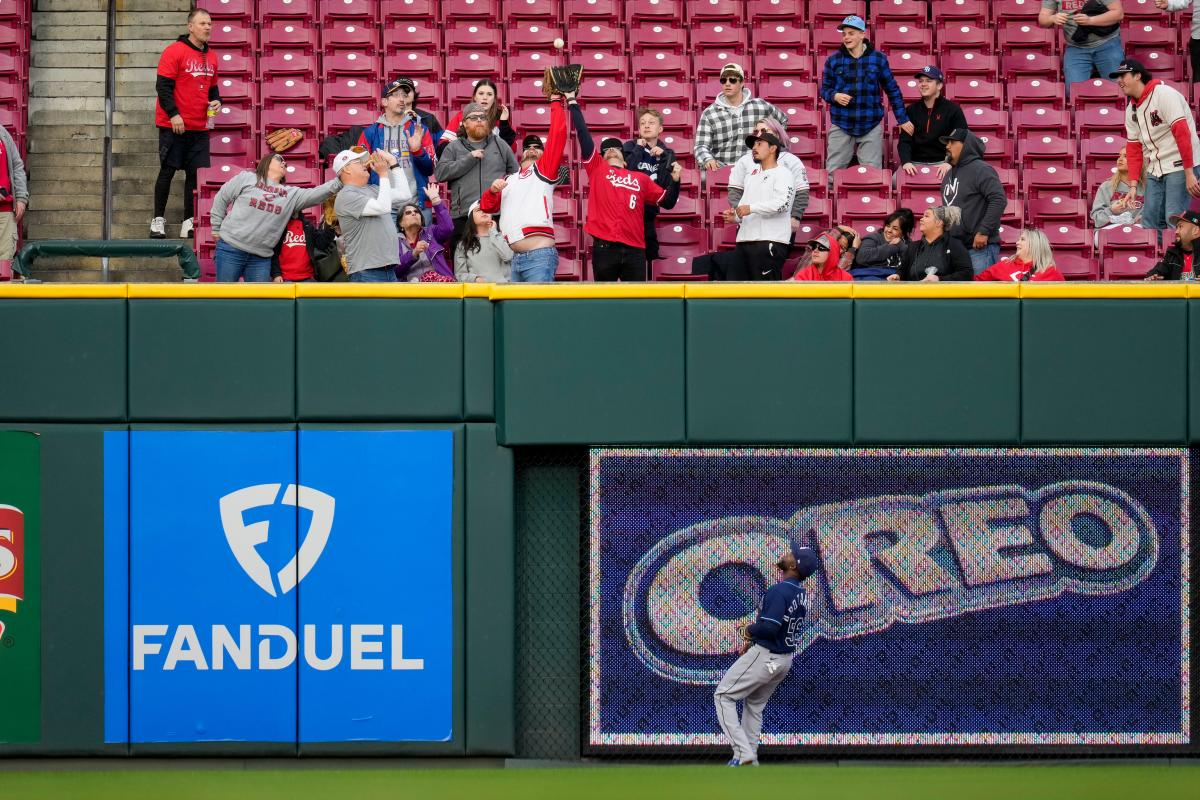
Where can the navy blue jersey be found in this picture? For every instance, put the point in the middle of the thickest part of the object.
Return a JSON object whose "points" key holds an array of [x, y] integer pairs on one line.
{"points": [[781, 618]]}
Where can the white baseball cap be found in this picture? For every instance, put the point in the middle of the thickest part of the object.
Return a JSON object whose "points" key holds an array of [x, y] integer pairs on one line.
{"points": [[345, 157]]}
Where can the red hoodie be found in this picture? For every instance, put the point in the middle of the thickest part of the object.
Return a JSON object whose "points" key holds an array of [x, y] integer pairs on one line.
{"points": [[1015, 270], [830, 271]]}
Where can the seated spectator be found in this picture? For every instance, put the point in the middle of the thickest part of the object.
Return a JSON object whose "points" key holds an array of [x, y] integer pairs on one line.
{"points": [[746, 166], [1112, 206], [848, 240], [482, 255], [422, 249], [936, 256], [822, 258], [881, 253], [302, 248], [485, 94], [250, 214], [649, 154], [1033, 261], [1092, 36], [724, 125], [933, 116], [1177, 263]]}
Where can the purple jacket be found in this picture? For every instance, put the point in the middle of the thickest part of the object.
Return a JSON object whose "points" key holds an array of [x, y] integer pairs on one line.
{"points": [[434, 257]]}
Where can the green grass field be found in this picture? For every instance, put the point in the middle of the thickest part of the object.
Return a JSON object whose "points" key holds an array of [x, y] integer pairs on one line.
{"points": [[1095, 781]]}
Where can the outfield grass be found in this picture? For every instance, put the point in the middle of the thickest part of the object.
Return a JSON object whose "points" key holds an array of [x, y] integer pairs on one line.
{"points": [[795, 782]]}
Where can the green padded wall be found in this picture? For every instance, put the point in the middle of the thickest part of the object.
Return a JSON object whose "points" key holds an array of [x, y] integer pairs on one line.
{"points": [[65, 360], [212, 360], [587, 371], [379, 359], [1104, 371], [769, 371], [937, 371], [479, 359]]}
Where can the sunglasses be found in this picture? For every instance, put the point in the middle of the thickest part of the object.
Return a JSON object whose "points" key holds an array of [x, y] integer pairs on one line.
{"points": [[279, 158], [820, 247], [731, 80]]}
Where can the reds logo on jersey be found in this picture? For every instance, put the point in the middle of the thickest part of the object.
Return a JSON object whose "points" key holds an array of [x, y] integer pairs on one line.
{"points": [[294, 240], [198, 68], [12, 552], [627, 181], [1155, 117]]}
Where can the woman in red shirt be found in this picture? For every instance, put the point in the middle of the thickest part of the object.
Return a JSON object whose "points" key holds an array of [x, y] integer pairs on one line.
{"points": [[1033, 261]]}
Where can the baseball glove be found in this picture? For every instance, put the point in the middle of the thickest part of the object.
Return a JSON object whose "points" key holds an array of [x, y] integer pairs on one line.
{"points": [[560, 80], [284, 139]]}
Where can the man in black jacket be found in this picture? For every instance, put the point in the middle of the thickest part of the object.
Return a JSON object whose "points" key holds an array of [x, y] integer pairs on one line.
{"points": [[933, 116], [973, 186], [1177, 263]]}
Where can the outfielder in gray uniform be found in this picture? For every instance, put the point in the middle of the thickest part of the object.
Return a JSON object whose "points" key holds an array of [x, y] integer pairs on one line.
{"points": [[771, 642]]}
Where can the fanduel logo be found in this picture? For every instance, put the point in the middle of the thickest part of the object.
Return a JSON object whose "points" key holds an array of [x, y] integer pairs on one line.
{"points": [[244, 539]]}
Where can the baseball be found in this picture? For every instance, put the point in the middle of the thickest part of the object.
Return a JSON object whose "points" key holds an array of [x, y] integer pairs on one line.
{"points": [[559, 43]]}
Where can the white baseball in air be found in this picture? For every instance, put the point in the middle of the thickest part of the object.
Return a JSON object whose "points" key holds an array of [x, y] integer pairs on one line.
{"points": [[559, 43]]}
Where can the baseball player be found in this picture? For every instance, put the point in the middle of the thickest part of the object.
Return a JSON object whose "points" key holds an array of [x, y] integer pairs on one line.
{"points": [[772, 640]]}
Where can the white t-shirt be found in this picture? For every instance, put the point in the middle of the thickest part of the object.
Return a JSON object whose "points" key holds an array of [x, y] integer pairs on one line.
{"points": [[769, 194]]}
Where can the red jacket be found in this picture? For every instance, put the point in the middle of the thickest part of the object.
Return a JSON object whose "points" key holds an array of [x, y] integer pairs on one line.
{"points": [[1015, 270], [830, 271], [186, 80]]}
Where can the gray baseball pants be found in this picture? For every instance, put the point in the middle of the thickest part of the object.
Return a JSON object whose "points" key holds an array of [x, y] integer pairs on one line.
{"points": [[752, 680], [842, 146]]}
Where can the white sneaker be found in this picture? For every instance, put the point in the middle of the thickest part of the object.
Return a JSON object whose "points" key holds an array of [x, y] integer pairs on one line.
{"points": [[158, 228], [187, 229]]}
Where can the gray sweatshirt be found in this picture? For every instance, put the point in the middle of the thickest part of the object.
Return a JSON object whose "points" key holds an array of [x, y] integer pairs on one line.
{"points": [[16, 167], [1180, 5], [1102, 215], [492, 261], [469, 177], [251, 215]]}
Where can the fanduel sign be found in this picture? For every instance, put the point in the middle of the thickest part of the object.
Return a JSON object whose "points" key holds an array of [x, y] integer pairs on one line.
{"points": [[294, 584]]}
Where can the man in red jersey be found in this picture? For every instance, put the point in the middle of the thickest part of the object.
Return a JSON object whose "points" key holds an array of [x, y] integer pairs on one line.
{"points": [[187, 97]]}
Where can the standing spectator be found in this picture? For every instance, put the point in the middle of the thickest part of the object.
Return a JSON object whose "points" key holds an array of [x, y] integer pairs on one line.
{"points": [[250, 214], [1092, 30], [854, 78], [1112, 207], [936, 256], [764, 227], [472, 163], [1194, 42], [14, 196], [1178, 262], [485, 94], [423, 249], [973, 186], [482, 255], [824, 255], [400, 131], [932, 117], [745, 166], [365, 214], [1033, 261], [1162, 148], [724, 124], [648, 154], [616, 214], [881, 253], [527, 198], [188, 99]]}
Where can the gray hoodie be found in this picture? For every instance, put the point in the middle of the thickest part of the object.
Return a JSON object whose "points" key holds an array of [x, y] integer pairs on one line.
{"points": [[251, 215], [16, 167], [1180, 5], [973, 187], [469, 177], [492, 261]]}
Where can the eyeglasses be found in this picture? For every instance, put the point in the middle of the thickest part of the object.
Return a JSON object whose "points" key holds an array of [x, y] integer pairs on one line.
{"points": [[731, 79], [475, 118]]}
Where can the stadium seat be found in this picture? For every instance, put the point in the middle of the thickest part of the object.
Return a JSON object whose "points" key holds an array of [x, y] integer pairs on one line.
{"points": [[234, 32], [1005, 10], [924, 182], [998, 149], [1100, 119], [1048, 150], [1025, 35], [778, 34], [366, 11], [231, 61], [345, 63], [604, 62], [919, 198], [808, 149], [350, 34], [667, 12], [1101, 150], [610, 11], [1141, 9], [1069, 239], [1056, 209], [277, 61], [236, 114], [1141, 37], [900, 12], [905, 37], [709, 61], [532, 35], [656, 90], [284, 33], [476, 63], [828, 13], [974, 12], [962, 64], [458, 10], [655, 35], [1014, 213], [338, 115], [1037, 92], [391, 10], [1127, 266], [678, 244], [682, 143], [233, 143], [862, 180], [288, 87], [595, 35], [304, 173], [780, 64], [1126, 239], [718, 34], [605, 91], [657, 60], [1166, 66], [1096, 92], [546, 11], [825, 41], [977, 92], [689, 205], [1042, 181], [287, 9], [784, 91], [759, 10], [961, 34], [863, 212], [351, 89], [986, 121], [221, 10], [1029, 120], [238, 88], [819, 212], [472, 35], [1077, 266], [1031, 62], [715, 10]]}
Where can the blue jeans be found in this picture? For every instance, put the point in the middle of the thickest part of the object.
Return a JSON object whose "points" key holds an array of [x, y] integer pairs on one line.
{"points": [[233, 264], [982, 259], [1079, 61], [1165, 197], [376, 275], [535, 266]]}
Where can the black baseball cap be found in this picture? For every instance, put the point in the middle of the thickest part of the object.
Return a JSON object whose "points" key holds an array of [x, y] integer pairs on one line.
{"points": [[610, 141], [398, 83], [1130, 66], [768, 137], [532, 140], [956, 135], [1192, 215]]}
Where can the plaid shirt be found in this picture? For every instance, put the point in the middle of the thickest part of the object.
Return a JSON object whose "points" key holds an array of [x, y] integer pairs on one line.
{"points": [[864, 79], [721, 133]]}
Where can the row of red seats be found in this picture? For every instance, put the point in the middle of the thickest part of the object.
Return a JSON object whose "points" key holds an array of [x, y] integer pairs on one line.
{"points": [[15, 17]]}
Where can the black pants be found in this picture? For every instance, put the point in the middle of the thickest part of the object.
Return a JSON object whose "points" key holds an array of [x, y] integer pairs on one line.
{"points": [[162, 191], [758, 261], [612, 261], [1194, 50]]}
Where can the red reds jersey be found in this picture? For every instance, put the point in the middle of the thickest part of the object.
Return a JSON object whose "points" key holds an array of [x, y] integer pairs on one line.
{"points": [[617, 198], [194, 72]]}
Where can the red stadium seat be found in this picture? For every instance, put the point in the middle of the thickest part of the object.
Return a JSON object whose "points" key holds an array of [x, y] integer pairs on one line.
{"points": [[976, 92], [236, 88], [603, 90], [780, 64], [457, 10], [363, 10], [1004, 10], [986, 120], [784, 91], [778, 34], [656, 90], [975, 12], [1127, 266], [1025, 35], [1056, 209], [709, 61], [391, 10], [998, 149], [919, 198], [689, 205], [343, 63], [350, 89], [287, 9], [1041, 181], [862, 180], [480, 63], [1144, 36], [1077, 266], [236, 114], [710, 10], [350, 34], [1126, 239], [610, 11], [532, 35], [718, 34], [818, 214], [962, 64], [826, 41], [677, 116], [288, 87], [1069, 239], [1141, 9], [863, 212], [304, 173], [907, 12], [808, 149], [678, 244], [660, 60], [613, 119], [548, 12], [828, 13], [595, 35], [1101, 150], [1096, 92], [1048, 150], [1031, 62], [1169, 66], [1035, 119], [1100, 119], [964, 35], [342, 114], [414, 34], [276, 61], [284, 33], [234, 32], [655, 35], [232, 61], [233, 143], [472, 35], [288, 114], [603, 62], [668, 12], [1037, 92], [230, 9], [759, 10], [904, 37], [682, 143], [925, 181]]}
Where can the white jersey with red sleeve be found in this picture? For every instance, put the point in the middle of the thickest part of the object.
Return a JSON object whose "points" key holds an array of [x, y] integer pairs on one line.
{"points": [[1162, 130], [526, 204], [617, 198]]}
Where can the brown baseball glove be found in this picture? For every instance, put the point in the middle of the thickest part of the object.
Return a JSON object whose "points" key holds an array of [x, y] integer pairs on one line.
{"points": [[560, 80], [284, 139]]}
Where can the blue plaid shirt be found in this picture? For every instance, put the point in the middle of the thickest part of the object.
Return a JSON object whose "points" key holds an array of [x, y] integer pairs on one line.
{"points": [[864, 79]]}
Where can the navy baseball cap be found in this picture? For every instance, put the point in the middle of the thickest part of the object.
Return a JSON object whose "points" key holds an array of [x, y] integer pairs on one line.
{"points": [[931, 72], [853, 21], [807, 561], [399, 83]]}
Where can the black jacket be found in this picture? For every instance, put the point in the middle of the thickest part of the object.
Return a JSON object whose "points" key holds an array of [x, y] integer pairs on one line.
{"points": [[1171, 265], [929, 125], [947, 256], [638, 158], [973, 186]]}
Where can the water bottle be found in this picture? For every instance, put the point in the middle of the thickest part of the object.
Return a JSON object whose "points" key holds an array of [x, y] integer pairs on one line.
{"points": [[930, 271], [212, 118]]}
